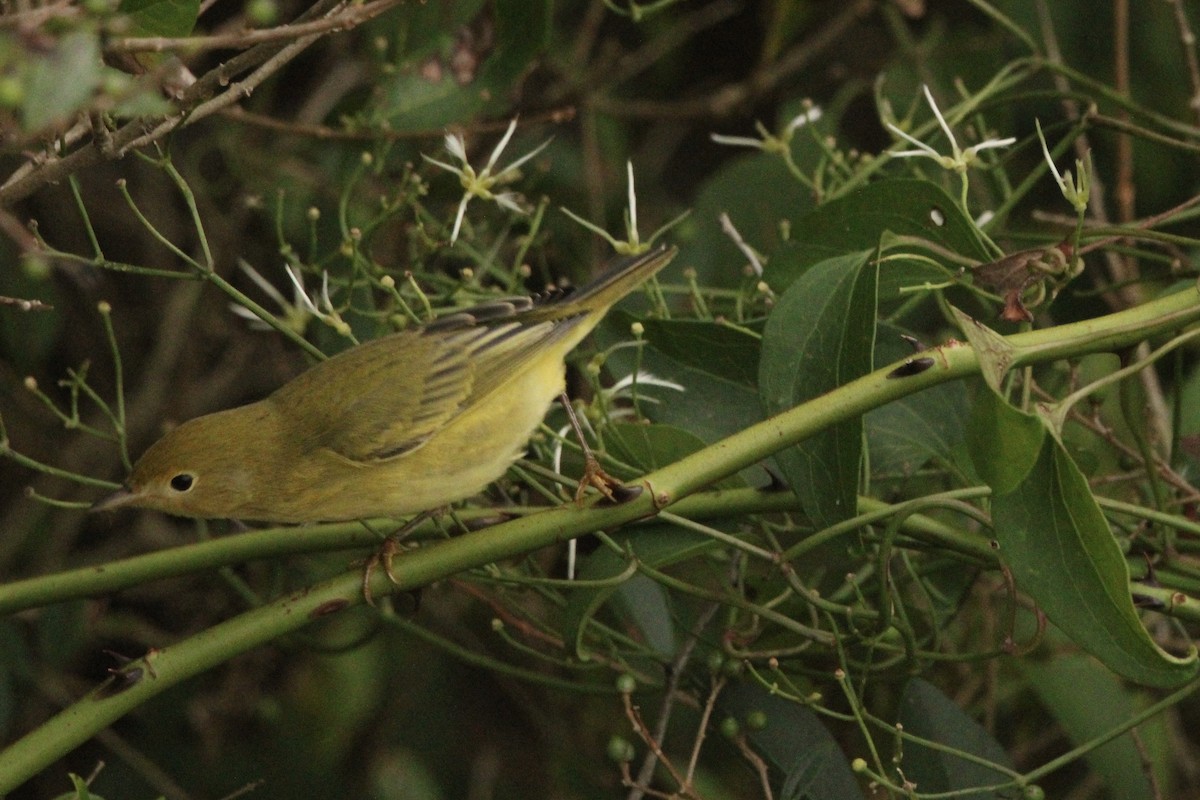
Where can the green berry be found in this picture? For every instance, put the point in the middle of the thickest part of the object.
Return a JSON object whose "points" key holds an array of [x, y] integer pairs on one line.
{"points": [[12, 91], [730, 728], [262, 13], [620, 750]]}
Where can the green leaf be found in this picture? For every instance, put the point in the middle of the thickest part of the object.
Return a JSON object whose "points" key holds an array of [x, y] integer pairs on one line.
{"points": [[717, 349], [646, 608], [906, 433], [427, 92], [1054, 538], [758, 193], [649, 447], [61, 81], [994, 352], [709, 407], [929, 714], [656, 545], [818, 337], [859, 220], [1004, 444], [805, 759], [168, 18], [1069, 686]]}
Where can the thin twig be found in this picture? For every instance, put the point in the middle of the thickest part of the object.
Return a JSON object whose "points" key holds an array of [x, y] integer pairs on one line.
{"points": [[726, 99], [1187, 38], [344, 20], [664, 714], [210, 93]]}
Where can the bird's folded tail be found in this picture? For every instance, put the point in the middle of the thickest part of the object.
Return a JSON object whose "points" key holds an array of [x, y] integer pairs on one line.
{"points": [[606, 289]]}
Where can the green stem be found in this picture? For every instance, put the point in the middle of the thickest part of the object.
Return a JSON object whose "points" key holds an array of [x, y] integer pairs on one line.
{"points": [[176, 663]]}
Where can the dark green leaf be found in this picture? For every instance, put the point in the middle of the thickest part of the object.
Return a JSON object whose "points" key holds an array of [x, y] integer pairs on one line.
{"points": [[859, 220], [994, 352], [654, 545], [818, 337], [1058, 545], [929, 714], [805, 759], [646, 608], [717, 349], [1069, 686], [758, 193], [649, 447], [169, 18], [906, 433], [62, 80], [1004, 443], [428, 92], [708, 407]]}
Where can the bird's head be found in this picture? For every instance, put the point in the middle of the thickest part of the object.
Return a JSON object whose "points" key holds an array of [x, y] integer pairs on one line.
{"points": [[204, 468]]}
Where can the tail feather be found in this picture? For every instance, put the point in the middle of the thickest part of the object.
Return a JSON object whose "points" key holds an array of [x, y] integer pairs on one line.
{"points": [[606, 289]]}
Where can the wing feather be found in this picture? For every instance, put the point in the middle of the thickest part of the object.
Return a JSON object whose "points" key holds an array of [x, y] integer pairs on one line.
{"points": [[387, 397]]}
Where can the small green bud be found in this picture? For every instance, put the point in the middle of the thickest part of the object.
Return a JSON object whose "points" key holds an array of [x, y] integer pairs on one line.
{"points": [[262, 12], [12, 91], [626, 683], [756, 720], [36, 267], [730, 728], [620, 750]]}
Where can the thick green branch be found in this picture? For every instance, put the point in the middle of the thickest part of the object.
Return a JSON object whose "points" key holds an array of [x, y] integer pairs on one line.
{"points": [[664, 487]]}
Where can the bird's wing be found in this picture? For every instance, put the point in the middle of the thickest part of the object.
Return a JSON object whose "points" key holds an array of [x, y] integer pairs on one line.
{"points": [[387, 397]]}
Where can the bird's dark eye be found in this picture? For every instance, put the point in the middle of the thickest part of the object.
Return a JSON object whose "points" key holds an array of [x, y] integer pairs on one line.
{"points": [[182, 482]]}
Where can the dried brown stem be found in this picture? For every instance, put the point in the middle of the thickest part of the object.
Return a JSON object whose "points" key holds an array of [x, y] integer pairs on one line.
{"points": [[344, 20], [1187, 38], [212, 92]]}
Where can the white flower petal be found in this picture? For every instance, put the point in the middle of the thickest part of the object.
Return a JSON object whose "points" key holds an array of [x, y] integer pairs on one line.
{"points": [[514, 166], [803, 118], [736, 141], [301, 295], [924, 149], [512, 126], [937, 112], [990, 144], [632, 198], [456, 146], [448, 167], [458, 219]]}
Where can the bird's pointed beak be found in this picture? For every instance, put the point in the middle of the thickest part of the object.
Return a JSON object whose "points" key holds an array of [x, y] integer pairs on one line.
{"points": [[118, 499]]}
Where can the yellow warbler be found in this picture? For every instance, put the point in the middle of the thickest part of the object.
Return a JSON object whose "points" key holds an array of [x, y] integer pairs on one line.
{"points": [[405, 423]]}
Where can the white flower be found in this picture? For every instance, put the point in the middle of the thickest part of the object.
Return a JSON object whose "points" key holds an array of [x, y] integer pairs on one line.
{"points": [[1077, 191], [481, 184], [960, 159], [767, 141], [632, 245], [298, 311]]}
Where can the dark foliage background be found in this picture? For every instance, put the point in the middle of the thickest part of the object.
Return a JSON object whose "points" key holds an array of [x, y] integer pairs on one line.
{"points": [[367, 705]]}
